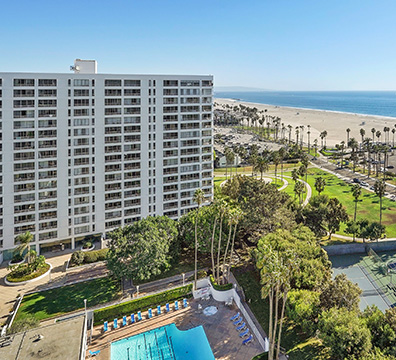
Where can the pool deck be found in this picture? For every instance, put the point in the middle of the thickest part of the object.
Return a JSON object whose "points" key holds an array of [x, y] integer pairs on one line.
{"points": [[220, 331]]}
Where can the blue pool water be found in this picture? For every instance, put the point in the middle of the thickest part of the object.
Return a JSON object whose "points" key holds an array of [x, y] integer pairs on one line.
{"points": [[164, 343]]}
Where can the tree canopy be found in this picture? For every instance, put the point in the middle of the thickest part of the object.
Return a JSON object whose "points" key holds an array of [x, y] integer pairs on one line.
{"points": [[143, 249]]}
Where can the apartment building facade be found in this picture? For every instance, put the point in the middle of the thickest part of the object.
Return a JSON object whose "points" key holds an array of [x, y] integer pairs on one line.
{"points": [[85, 153]]}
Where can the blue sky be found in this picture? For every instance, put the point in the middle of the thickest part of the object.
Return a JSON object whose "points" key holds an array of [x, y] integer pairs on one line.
{"points": [[270, 44]]}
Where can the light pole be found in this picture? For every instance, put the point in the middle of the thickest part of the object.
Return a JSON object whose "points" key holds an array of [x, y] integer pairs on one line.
{"points": [[137, 290], [184, 275]]}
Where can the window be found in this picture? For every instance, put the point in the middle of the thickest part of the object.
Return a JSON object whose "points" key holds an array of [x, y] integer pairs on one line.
{"points": [[81, 82], [47, 82], [131, 82], [23, 82], [111, 102], [46, 113], [24, 93], [23, 114], [81, 102], [47, 93], [112, 82], [81, 122], [23, 103], [207, 83], [113, 111], [81, 112], [81, 92], [132, 92], [189, 83], [47, 103], [112, 92], [131, 102], [171, 83]]}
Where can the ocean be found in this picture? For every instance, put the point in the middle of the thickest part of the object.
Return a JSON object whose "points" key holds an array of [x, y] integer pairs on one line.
{"points": [[380, 103]]}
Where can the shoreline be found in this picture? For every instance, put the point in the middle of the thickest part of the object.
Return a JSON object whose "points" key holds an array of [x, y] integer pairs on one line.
{"points": [[311, 109], [334, 122]]}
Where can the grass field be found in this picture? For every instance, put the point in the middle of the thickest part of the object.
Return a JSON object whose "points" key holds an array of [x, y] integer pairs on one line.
{"points": [[59, 301], [368, 205], [298, 345]]}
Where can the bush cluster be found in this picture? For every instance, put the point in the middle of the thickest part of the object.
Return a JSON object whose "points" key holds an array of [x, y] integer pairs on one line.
{"points": [[133, 306], [24, 273], [220, 287], [81, 258]]}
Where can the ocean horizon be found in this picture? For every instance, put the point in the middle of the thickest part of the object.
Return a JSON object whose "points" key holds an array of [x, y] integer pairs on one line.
{"points": [[377, 103]]}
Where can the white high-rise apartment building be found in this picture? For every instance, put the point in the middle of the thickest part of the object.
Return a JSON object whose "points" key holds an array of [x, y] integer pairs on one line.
{"points": [[84, 153]]}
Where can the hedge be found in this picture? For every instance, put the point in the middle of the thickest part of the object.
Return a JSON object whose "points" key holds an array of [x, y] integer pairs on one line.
{"points": [[88, 257], [27, 277], [224, 287], [142, 304]]}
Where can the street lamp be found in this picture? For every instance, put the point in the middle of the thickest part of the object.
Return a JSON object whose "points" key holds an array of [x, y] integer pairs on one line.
{"points": [[137, 290], [184, 275]]}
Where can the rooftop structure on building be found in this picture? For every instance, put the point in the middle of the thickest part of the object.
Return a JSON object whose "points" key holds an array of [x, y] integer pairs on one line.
{"points": [[83, 153]]}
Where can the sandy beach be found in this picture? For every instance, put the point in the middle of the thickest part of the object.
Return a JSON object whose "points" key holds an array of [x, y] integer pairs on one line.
{"points": [[335, 123]]}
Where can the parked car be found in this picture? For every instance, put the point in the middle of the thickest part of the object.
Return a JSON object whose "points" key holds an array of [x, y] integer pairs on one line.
{"points": [[363, 183], [356, 180]]}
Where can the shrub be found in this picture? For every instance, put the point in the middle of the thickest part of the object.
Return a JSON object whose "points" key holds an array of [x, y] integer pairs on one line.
{"points": [[87, 245], [77, 258], [218, 287], [144, 303], [90, 257], [24, 273]]}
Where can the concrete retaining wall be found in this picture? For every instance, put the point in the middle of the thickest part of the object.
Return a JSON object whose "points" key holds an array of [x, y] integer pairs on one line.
{"points": [[360, 248]]}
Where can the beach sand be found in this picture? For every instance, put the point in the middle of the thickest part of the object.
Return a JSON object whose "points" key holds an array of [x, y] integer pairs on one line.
{"points": [[335, 123]]}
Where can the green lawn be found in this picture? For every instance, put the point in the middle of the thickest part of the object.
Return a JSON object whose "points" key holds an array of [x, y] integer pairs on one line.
{"points": [[297, 344], [59, 301], [368, 205]]}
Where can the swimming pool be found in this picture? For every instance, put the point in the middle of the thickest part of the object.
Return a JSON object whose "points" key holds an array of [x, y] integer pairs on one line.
{"points": [[164, 343]]}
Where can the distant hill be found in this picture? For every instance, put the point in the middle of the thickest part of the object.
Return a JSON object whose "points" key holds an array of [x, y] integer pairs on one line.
{"points": [[237, 89]]}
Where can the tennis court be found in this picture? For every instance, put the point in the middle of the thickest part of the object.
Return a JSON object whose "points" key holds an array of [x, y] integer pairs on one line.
{"points": [[372, 276]]}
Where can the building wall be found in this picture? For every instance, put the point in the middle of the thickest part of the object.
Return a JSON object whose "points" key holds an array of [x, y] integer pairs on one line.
{"points": [[83, 154]]}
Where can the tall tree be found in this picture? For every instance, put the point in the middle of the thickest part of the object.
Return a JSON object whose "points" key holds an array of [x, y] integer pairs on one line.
{"points": [[336, 214], [199, 198], [276, 160], [380, 188], [320, 184], [223, 209], [348, 130], [141, 250], [261, 166]]}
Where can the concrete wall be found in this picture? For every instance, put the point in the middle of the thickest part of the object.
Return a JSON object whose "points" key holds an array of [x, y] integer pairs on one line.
{"points": [[360, 248]]}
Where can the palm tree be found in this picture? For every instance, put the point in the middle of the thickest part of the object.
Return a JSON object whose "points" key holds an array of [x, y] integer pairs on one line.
{"points": [[276, 160], [348, 130], [261, 166], [199, 198], [353, 144], [320, 184], [25, 239], [297, 132], [380, 188], [237, 214], [290, 130], [299, 189], [325, 136], [378, 135], [393, 139], [373, 132], [223, 208], [309, 138], [282, 153], [362, 133], [356, 192], [316, 147]]}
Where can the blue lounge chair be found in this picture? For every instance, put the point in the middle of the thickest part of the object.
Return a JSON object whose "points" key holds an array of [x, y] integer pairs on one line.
{"points": [[132, 318], [124, 321], [115, 323], [248, 340], [176, 305], [139, 314], [159, 310], [94, 353], [241, 327], [185, 303], [244, 333], [105, 326], [167, 307], [235, 317], [237, 322], [150, 313]]}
